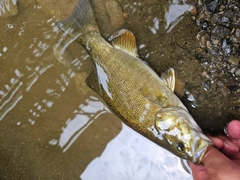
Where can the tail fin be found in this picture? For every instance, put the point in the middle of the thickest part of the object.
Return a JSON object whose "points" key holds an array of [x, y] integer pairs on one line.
{"points": [[81, 22]]}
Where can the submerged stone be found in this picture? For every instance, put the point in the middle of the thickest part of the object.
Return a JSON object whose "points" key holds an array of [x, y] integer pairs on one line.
{"points": [[207, 85], [219, 32], [212, 5], [227, 45], [237, 72]]}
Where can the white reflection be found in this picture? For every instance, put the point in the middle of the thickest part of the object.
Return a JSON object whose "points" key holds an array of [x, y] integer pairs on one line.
{"points": [[175, 13], [41, 47], [5, 6], [132, 156], [155, 26], [38, 71], [11, 94], [85, 115], [103, 79], [192, 99], [5, 49]]}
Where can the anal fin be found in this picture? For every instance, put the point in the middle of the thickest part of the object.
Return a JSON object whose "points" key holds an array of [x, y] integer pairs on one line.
{"points": [[92, 82]]}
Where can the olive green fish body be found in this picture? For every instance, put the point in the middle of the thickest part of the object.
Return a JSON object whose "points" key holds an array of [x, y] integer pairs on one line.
{"points": [[130, 87], [133, 90]]}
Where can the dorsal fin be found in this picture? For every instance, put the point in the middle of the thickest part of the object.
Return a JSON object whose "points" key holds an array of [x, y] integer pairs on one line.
{"points": [[169, 78], [124, 40]]}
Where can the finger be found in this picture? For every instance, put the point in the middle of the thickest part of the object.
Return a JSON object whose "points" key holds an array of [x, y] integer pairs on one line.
{"points": [[198, 171], [229, 148], [236, 142], [233, 129], [217, 141], [218, 165]]}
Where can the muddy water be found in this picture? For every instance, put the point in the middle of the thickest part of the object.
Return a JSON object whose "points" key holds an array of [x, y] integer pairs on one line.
{"points": [[52, 126]]}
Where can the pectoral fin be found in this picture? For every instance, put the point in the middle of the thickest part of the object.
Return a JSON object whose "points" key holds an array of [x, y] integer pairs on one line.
{"points": [[169, 78], [156, 97], [124, 40]]}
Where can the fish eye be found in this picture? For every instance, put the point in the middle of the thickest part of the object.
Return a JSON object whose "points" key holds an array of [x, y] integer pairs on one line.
{"points": [[180, 146]]}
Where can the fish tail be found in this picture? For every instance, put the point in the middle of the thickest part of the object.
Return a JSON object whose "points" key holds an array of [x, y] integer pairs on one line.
{"points": [[81, 23]]}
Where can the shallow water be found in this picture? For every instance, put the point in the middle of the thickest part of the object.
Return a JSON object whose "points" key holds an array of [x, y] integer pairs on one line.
{"points": [[52, 126]]}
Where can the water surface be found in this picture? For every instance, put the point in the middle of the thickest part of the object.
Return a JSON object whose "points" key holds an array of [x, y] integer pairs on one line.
{"points": [[52, 126]]}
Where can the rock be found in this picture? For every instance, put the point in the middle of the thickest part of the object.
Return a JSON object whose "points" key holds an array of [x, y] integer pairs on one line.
{"points": [[206, 85], [219, 32], [233, 60], [212, 5], [237, 72], [109, 16], [204, 24], [227, 45]]}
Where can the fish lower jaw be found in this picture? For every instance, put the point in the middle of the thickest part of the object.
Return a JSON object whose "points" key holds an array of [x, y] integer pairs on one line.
{"points": [[197, 157]]}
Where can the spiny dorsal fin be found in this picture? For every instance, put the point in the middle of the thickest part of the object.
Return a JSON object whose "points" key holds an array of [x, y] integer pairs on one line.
{"points": [[124, 40], [169, 78]]}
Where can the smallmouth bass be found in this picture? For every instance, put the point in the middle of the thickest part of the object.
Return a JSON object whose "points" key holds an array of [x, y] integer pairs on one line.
{"points": [[133, 91]]}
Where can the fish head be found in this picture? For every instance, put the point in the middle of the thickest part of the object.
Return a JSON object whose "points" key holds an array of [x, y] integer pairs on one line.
{"points": [[181, 134]]}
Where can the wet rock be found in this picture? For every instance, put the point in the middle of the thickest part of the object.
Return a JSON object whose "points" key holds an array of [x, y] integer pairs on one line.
{"points": [[204, 24], [227, 46], [204, 39], [237, 72], [109, 16], [219, 32], [237, 33], [226, 21], [238, 51], [200, 58], [234, 60], [179, 88], [212, 5], [207, 85]]}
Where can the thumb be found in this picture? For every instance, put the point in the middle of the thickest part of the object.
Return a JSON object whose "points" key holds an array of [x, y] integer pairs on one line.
{"points": [[218, 165]]}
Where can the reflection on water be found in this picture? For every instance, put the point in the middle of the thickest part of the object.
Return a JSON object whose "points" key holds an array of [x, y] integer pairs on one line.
{"points": [[85, 115], [52, 126], [175, 13], [8, 7], [135, 157]]}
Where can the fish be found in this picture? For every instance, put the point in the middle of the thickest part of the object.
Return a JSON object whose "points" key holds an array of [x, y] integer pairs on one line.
{"points": [[134, 91]]}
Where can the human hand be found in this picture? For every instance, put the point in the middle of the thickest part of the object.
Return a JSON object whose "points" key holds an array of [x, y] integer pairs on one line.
{"points": [[222, 162]]}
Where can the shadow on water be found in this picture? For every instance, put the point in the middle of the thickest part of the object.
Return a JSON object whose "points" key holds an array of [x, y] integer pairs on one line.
{"points": [[52, 126]]}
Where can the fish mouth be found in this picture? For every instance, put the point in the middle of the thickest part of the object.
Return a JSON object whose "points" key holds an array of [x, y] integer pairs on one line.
{"points": [[199, 148], [197, 157]]}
